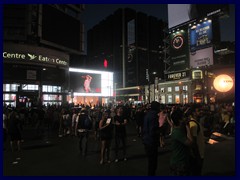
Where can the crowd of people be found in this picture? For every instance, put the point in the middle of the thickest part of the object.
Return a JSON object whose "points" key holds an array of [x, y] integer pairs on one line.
{"points": [[187, 125]]}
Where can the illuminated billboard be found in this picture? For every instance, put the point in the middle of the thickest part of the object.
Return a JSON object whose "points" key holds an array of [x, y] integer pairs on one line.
{"points": [[182, 13], [203, 57], [85, 82], [201, 35], [179, 50]]}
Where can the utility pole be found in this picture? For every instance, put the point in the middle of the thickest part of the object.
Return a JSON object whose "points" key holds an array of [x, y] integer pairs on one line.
{"points": [[123, 47]]}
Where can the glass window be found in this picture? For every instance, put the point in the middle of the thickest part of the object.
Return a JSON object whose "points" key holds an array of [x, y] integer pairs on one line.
{"points": [[169, 89], [185, 88], [52, 97], [29, 87], [185, 98], [169, 98], [51, 88], [176, 88], [177, 99], [10, 87], [162, 90], [163, 100], [9, 97], [44, 88]]}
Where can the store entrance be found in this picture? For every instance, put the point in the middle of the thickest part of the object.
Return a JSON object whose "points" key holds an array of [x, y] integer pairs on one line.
{"points": [[27, 99]]}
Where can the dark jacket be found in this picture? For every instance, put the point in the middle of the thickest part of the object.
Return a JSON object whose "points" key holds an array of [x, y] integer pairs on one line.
{"points": [[151, 132]]}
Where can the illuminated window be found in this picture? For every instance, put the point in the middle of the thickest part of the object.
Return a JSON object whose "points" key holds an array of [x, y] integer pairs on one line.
{"points": [[185, 88], [185, 98], [9, 97], [51, 88], [29, 87], [162, 90], [163, 99], [177, 99], [10, 87], [169, 89], [169, 98], [52, 97], [176, 88]]}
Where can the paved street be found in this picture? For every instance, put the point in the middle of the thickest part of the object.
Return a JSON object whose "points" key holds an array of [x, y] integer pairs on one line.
{"points": [[60, 157]]}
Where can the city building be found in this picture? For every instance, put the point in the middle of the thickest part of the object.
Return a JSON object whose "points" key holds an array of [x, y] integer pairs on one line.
{"points": [[40, 41], [128, 43], [195, 57]]}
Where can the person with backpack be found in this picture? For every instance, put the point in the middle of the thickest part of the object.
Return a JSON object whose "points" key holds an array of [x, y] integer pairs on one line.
{"points": [[198, 144], [181, 141], [83, 126]]}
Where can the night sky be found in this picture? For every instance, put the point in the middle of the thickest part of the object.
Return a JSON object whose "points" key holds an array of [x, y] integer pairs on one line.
{"points": [[94, 13]]}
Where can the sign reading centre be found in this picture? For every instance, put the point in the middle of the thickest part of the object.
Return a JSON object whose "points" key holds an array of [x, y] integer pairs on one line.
{"points": [[34, 57], [20, 53]]}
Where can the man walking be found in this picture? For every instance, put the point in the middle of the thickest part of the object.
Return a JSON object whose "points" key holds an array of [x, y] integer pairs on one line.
{"points": [[151, 137]]}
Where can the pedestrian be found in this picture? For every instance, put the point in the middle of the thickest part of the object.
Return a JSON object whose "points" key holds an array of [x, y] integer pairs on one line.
{"points": [[139, 118], [120, 122], [180, 146], [4, 127], [14, 130], [83, 127], [198, 144], [163, 125], [106, 131], [151, 137]]}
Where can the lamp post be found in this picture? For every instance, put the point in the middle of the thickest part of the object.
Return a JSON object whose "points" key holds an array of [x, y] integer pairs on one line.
{"points": [[115, 87], [154, 86]]}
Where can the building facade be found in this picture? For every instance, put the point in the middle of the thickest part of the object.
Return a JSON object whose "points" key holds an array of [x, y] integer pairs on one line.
{"points": [[39, 42], [194, 58], [128, 43]]}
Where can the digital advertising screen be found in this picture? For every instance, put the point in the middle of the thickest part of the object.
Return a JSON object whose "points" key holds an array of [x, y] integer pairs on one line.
{"points": [[84, 82], [201, 35], [179, 49]]}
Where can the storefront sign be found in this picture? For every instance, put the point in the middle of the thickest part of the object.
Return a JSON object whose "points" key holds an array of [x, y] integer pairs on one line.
{"points": [[33, 57], [178, 75], [197, 74]]}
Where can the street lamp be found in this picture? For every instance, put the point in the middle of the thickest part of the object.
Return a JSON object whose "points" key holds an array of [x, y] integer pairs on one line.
{"points": [[115, 87]]}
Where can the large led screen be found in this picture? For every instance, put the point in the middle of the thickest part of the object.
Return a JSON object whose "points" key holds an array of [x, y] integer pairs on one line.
{"points": [[181, 13], [84, 82]]}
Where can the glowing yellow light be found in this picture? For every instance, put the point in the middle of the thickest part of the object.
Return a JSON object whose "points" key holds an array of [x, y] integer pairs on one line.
{"points": [[223, 83]]}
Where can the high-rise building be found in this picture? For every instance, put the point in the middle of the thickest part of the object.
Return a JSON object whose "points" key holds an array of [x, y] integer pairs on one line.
{"points": [[39, 42], [129, 44], [195, 57]]}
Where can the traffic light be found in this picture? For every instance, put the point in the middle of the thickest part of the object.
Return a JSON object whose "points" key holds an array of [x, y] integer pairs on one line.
{"points": [[105, 63]]}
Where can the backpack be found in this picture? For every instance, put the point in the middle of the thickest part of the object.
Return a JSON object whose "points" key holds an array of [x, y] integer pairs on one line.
{"points": [[198, 126], [87, 123], [84, 122]]}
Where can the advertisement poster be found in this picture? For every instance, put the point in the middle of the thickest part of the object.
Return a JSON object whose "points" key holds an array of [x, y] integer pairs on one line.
{"points": [[200, 35], [203, 57]]}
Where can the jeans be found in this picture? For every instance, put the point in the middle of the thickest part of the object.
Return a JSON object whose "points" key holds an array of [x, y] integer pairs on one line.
{"points": [[83, 140], [152, 155]]}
